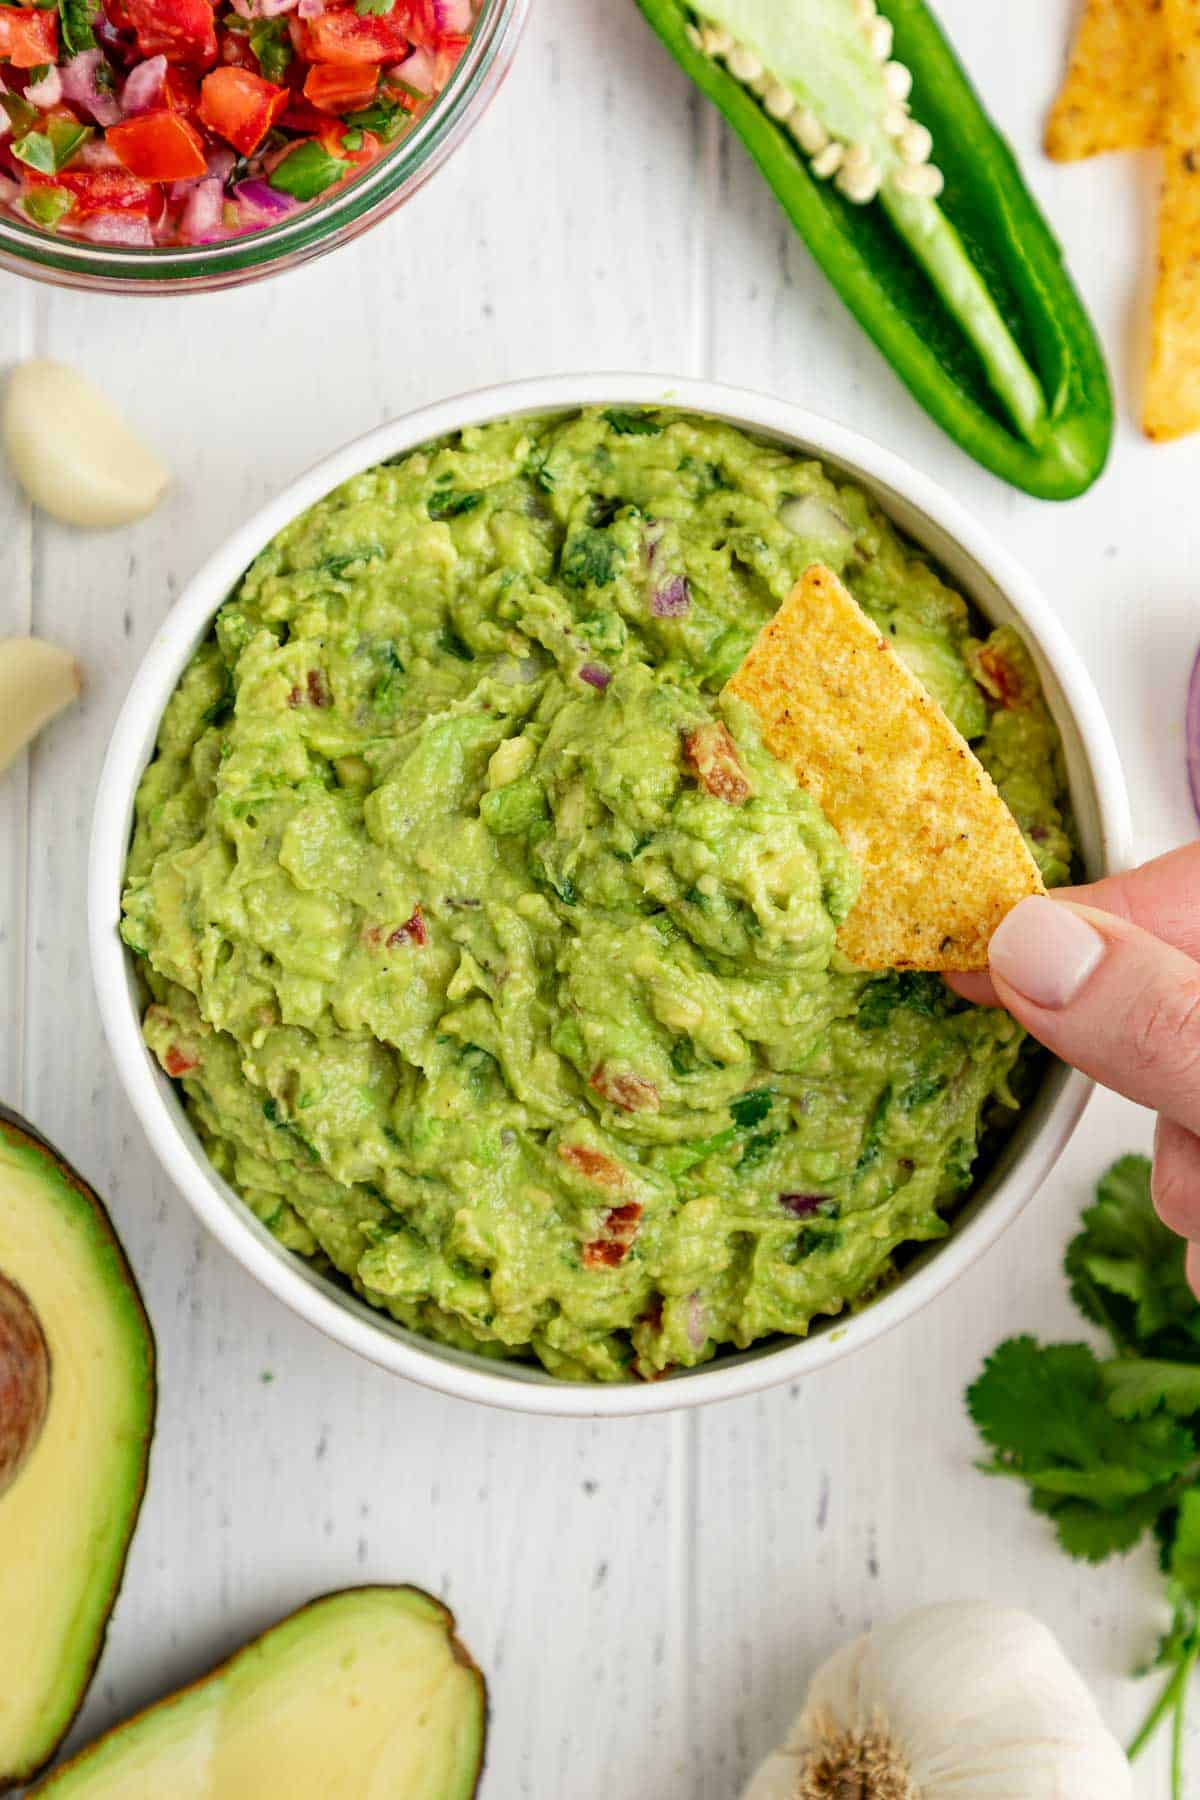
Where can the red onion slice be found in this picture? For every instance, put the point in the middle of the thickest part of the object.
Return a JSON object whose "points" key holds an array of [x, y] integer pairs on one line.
{"points": [[263, 201], [143, 90], [202, 219], [453, 15], [95, 154], [311, 9], [10, 191], [81, 86], [673, 599], [48, 91], [118, 228], [1193, 735], [802, 1206], [595, 675], [418, 71]]}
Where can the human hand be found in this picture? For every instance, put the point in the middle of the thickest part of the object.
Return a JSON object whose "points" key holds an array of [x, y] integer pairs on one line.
{"points": [[1108, 977]]}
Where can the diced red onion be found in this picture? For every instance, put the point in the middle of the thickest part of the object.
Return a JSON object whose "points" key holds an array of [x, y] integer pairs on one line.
{"points": [[48, 91], [671, 600], [220, 160], [96, 154], [265, 201], [1193, 734], [201, 221], [263, 9], [418, 71], [311, 9], [809, 517], [652, 538], [453, 15], [802, 1206], [595, 675], [82, 88], [9, 191], [118, 228], [143, 89], [697, 1322]]}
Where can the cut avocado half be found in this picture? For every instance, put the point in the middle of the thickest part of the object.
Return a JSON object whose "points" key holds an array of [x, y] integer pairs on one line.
{"points": [[77, 1397], [362, 1693]]}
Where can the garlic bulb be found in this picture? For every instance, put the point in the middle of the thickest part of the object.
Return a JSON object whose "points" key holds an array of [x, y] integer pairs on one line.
{"points": [[950, 1702], [36, 681], [73, 453]]}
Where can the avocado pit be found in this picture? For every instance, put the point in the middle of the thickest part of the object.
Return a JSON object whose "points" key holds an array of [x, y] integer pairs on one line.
{"points": [[24, 1381]]}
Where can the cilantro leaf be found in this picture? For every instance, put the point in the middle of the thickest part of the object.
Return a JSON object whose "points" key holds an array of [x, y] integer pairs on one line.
{"points": [[1094, 1533], [632, 424], [272, 45], [1140, 1386], [452, 506], [1127, 1270], [921, 993], [589, 559], [75, 21], [752, 1108], [1183, 1552], [1044, 1411]]}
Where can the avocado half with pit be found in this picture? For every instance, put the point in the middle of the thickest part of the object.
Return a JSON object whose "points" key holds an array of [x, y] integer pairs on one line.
{"points": [[77, 1396], [364, 1692]]}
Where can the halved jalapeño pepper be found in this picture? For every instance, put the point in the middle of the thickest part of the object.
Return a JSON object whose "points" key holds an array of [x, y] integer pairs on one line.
{"points": [[865, 125]]}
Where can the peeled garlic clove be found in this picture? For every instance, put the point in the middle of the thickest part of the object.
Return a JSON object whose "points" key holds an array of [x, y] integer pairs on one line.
{"points": [[72, 451], [36, 681]]}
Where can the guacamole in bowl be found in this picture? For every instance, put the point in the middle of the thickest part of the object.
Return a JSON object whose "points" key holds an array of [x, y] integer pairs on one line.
{"points": [[496, 958]]}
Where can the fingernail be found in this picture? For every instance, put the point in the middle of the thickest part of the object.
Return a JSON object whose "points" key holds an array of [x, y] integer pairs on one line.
{"points": [[1046, 951]]}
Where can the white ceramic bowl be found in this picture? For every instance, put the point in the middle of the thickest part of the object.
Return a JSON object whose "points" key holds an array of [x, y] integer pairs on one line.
{"points": [[977, 565]]}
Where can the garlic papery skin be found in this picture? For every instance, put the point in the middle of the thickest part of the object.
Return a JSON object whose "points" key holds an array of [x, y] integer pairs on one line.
{"points": [[73, 453], [36, 681], [962, 1701]]}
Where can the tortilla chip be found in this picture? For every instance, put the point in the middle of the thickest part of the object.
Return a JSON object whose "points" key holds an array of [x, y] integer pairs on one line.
{"points": [[941, 856], [1172, 405], [1113, 96]]}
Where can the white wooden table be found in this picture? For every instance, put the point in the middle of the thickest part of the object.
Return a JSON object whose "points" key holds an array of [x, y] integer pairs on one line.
{"points": [[648, 1597]]}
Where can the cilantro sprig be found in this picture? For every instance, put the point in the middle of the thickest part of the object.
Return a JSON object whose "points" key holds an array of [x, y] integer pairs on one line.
{"points": [[1109, 1447]]}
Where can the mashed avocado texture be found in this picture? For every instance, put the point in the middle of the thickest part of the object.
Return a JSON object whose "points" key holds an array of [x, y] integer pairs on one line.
{"points": [[495, 955]]}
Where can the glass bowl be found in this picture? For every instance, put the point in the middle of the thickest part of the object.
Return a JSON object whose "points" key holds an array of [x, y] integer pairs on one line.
{"points": [[320, 226]]}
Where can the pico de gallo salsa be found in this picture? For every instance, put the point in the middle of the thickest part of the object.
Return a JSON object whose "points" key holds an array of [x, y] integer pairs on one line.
{"points": [[169, 122]]}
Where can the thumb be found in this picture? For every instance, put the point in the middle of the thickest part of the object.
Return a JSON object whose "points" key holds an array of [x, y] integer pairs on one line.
{"points": [[1106, 996]]}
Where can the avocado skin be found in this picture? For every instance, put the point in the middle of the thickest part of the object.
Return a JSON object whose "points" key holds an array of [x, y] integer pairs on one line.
{"points": [[19, 1132], [336, 1596]]}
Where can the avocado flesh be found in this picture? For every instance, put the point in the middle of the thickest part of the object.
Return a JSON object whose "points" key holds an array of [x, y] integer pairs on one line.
{"points": [[365, 1694], [68, 1514]]}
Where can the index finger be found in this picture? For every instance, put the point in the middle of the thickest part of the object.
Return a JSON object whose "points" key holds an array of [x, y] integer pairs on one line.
{"points": [[1163, 897]]}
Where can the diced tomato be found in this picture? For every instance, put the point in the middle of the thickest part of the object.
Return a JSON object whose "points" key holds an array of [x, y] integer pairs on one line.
{"points": [[620, 1229], [302, 116], [178, 1062], [593, 1165], [181, 92], [236, 51], [452, 44], [632, 1093], [342, 36], [101, 191], [341, 89], [712, 756], [241, 107], [28, 37], [159, 146], [183, 31], [413, 931]]}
